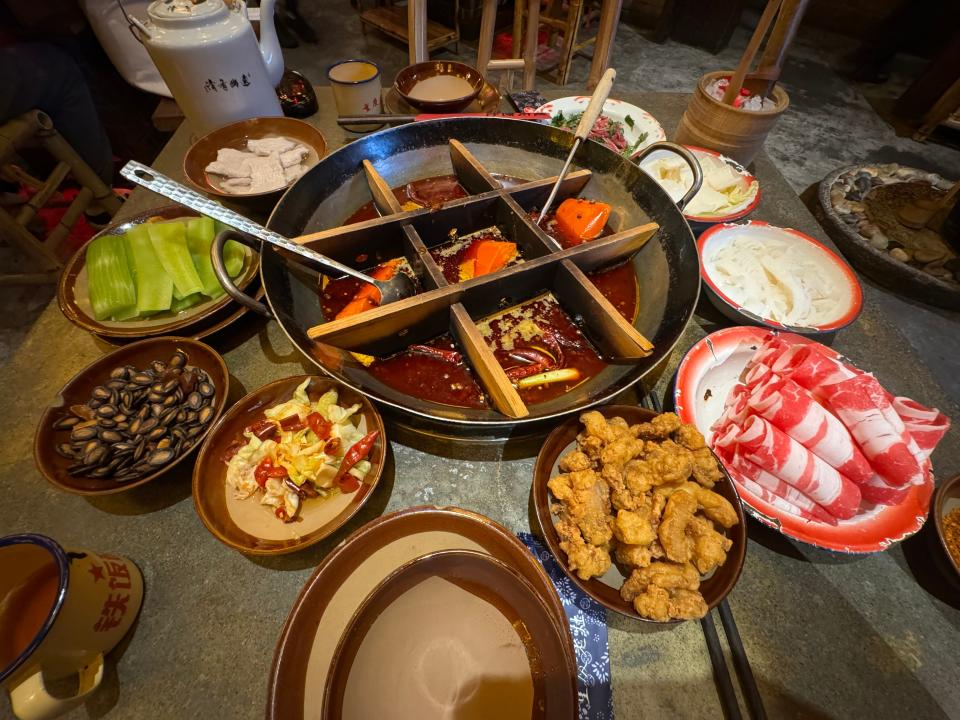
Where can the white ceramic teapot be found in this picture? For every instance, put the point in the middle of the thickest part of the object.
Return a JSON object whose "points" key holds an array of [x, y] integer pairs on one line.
{"points": [[207, 53]]}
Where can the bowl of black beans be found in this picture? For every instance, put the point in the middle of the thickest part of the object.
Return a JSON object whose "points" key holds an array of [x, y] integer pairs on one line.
{"points": [[131, 416]]}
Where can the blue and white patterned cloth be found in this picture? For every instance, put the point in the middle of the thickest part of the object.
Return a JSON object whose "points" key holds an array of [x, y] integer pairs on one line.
{"points": [[588, 626]]}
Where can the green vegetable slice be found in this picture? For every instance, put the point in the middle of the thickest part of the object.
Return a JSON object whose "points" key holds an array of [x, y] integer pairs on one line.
{"points": [[109, 281], [200, 233], [233, 252], [233, 256], [154, 286], [185, 302], [170, 243]]}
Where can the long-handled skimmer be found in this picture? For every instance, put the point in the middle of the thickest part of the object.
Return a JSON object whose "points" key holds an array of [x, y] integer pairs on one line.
{"points": [[396, 288], [589, 117]]}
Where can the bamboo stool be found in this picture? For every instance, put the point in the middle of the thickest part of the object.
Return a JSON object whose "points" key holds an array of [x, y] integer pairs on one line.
{"points": [[37, 126], [568, 28], [527, 61]]}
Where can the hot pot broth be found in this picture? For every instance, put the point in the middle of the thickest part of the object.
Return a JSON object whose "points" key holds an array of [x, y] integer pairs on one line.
{"points": [[529, 339]]}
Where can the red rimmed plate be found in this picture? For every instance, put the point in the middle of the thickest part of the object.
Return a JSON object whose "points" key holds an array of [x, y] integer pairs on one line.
{"points": [[850, 296], [347, 575], [738, 211], [706, 374]]}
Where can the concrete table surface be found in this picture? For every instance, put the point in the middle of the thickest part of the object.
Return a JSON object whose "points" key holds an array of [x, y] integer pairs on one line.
{"points": [[829, 636]]}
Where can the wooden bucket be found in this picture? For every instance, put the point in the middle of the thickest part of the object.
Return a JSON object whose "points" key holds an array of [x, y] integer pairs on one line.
{"points": [[736, 133]]}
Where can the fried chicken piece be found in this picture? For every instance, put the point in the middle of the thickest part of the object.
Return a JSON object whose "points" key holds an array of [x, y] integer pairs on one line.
{"points": [[714, 506], [620, 428], [596, 425], [636, 556], [706, 470], [633, 527], [638, 477], [586, 501], [575, 460], [690, 437], [660, 428], [665, 491], [663, 590], [590, 445], [709, 547], [672, 530], [686, 605], [668, 461], [666, 575], [620, 451], [584, 559], [620, 496], [653, 603]]}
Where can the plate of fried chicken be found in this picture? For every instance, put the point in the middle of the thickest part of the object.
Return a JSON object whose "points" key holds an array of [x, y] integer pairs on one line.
{"points": [[640, 514]]}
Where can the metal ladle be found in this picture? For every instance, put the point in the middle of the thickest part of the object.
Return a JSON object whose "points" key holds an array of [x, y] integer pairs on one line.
{"points": [[396, 288]]}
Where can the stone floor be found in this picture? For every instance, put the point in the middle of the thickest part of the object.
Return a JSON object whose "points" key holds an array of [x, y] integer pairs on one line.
{"points": [[830, 123]]}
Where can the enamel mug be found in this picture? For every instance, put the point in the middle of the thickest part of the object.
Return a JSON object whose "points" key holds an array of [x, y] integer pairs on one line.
{"points": [[61, 611], [356, 90]]}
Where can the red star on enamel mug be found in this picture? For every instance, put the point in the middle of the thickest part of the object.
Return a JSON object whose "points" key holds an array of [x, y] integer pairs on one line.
{"points": [[61, 611]]}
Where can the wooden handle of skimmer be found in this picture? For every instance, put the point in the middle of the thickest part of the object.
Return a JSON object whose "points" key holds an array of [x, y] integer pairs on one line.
{"points": [[600, 95]]}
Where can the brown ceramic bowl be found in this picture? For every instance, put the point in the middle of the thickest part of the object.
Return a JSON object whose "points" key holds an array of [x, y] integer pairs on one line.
{"points": [[249, 527], [945, 499], [606, 590], [235, 135], [487, 101], [412, 75], [464, 600], [75, 306], [355, 567], [77, 391]]}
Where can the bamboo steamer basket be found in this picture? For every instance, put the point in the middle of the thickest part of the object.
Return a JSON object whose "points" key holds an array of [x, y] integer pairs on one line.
{"points": [[736, 133]]}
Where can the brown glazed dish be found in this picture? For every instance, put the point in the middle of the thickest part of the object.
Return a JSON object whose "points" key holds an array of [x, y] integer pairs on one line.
{"points": [[53, 466], [236, 522], [320, 615], [76, 308], [235, 135], [210, 326], [487, 580], [945, 499], [714, 588], [408, 78]]}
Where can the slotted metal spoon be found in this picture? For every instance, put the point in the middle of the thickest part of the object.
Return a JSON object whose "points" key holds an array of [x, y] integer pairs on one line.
{"points": [[396, 288]]}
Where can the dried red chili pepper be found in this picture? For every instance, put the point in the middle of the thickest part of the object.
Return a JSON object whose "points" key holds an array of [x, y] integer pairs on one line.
{"points": [[292, 423], [262, 430], [450, 356], [357, 452]]}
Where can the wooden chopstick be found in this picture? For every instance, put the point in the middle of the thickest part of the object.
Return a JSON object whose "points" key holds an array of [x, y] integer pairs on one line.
{"points": [[736, 82], [748, 682], [728, 698]]}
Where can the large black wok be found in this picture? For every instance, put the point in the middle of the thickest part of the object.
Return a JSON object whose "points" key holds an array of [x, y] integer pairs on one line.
{"points": [[667, 267]]}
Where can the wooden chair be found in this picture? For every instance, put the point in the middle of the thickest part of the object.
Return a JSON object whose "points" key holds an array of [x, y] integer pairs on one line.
{"points": [[525, 60], [567, 25], [37, 126]]}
